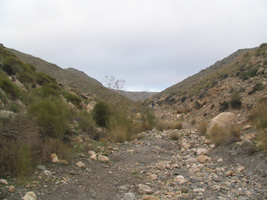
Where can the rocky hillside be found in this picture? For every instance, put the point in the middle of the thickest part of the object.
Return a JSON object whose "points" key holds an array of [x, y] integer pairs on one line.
{"points": [[234, 84], [136, 96], [70, 77]]}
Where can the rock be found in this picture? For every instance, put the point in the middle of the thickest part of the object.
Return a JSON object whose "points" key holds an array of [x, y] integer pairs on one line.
{"points": [[202, 151], [240, 169], [219, 128], [248, 146], [230, 173], [123, 188], [93, 155], [3, 181], [179, 179], [102, 158], [203, 159], [163, 165], [149, 197], [6, 114], [261, 71], [47, 173], [129, 196], [64, 162], [131, 151], [144, 189], [185, 145], [220, 160], [80, 165], [30, 196], [246, 127], [11, 189], [54, 158]]}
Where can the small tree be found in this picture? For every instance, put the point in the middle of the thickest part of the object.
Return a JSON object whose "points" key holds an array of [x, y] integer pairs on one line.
{"points": [[101, 114], [236, 101]]}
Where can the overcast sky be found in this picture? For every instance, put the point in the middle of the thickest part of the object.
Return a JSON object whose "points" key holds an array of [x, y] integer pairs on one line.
{"points": [[151, 44]]}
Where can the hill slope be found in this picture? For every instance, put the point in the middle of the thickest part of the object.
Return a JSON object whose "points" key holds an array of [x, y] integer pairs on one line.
{"points": [[69, 77], [243, 73]]}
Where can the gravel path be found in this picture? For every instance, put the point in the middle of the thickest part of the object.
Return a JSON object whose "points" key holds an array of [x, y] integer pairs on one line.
{"points": [[154, 167]]}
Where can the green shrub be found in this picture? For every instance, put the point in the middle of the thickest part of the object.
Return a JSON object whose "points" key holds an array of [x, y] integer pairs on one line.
{"points": [[45, 91], [9, 88], [75, 100], [43, 79], [52, 116], [236, 101], [101, 114]]}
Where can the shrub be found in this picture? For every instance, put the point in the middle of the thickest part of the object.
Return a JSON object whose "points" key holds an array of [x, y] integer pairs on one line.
{"points": [[45, 91], [20, 145], [118, 132], [175, 136], [75, 100], [148, 120], [236, 101], [202, 127], [219, 135], [256, 87], [259, 118], [9, 88], [52, 116], [165, 125], [223, 106], [101, 114]]}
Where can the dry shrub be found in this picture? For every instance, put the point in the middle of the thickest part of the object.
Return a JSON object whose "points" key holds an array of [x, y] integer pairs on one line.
{"points": [[165, 125], [175, 136], [202, 127], [224, 135], [20, 145], [118, 134], [259, 118]]}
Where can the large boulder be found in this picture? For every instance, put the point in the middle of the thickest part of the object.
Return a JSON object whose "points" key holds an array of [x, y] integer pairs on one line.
{"points": [[222, 128]]}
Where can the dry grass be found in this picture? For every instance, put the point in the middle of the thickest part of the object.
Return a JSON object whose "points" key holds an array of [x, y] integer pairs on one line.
{"points": [[202, 127], [219, 135], [165, 125], [259, 118], [118, 134]]}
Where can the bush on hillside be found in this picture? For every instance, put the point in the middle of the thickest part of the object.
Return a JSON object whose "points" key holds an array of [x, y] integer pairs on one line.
{"points": [[52, 116], [259, 118], [236, 101], [8, 87], [74, 99], [101, 114], [223, 106]]}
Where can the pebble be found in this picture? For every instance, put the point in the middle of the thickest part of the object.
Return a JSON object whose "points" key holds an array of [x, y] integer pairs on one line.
{"points": [[81, 165], [103, 159], [144, 189], [30, 196]]}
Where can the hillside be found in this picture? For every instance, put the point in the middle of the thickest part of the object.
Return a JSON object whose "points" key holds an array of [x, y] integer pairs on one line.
{"points": [[136, 96], [69, 77], [209, 92]]}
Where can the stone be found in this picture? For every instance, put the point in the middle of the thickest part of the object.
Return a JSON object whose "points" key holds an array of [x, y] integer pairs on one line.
{"points": [[30, 196], [54, 158], [246, 127], [222, 120], [179, 179], [6, 114], [64, 162], [163, 165], [149, 197], [131, 151], [3, 181], [144, 189], [220, 160], [129, 196], [248, 146], [202, 151], [240, 169], [11, 189], [102, 158], [80, 165], [185, 145], [203, 158], [47, 173], [93, 155]]}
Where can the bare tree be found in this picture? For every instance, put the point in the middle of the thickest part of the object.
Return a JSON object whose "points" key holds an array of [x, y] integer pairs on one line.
{"points": [[112, 83]]}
